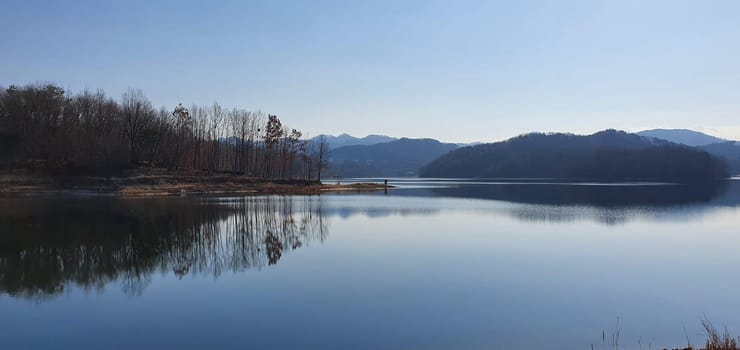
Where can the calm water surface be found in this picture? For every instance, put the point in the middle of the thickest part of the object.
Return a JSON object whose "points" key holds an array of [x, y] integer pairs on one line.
{"points": [[431, 265]]}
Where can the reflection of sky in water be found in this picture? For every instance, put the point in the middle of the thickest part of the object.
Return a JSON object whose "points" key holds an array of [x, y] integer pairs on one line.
{"points": [[409, 270]]}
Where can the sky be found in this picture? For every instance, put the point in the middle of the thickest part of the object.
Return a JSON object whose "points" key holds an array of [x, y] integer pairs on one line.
{"points": [[458, 71]]}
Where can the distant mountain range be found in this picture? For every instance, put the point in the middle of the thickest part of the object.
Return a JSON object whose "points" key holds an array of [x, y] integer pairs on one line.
{"points": [[682, 136], [386, 156], [608, 154], [402, 157], [349, 140]]}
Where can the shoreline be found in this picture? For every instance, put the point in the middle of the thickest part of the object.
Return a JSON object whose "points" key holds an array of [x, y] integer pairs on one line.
{"points": [[174, 185]]}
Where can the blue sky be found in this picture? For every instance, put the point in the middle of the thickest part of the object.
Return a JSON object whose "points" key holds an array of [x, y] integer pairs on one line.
{"points": [[453, 70]]}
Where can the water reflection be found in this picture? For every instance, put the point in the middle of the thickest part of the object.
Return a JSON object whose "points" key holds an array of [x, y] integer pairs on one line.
{"points": [[46, 245], [597, 195], [477, 268], [609, 204]]}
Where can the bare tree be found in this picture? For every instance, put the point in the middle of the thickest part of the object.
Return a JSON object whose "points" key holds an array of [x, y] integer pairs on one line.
{"points": [[214, 136], [293, 142], [273, 134], [322, 156], [137, 115], [182, 133]]}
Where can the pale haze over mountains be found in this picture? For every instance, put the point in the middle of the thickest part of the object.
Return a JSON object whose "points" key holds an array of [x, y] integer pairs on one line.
{"points": [[345, 139], [349, 140]]}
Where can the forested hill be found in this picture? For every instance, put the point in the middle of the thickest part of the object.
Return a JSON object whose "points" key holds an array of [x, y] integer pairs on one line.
{"points": [[729, 151], [608, 154], [402, 157]]}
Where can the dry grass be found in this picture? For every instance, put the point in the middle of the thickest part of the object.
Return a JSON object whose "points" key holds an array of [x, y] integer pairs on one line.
{"points": [[717, 340]]}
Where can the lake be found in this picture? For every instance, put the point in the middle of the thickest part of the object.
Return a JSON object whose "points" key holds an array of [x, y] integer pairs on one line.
{"points": [[432, 264]]}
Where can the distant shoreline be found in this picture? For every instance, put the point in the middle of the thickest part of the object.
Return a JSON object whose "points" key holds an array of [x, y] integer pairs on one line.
{"points": [[171, 184]]}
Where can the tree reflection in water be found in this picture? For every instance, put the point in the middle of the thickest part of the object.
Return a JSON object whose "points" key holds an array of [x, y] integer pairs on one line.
{"points": [[47, 244]]}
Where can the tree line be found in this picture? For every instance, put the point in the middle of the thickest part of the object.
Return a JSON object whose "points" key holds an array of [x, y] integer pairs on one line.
{"points": [[46, 129]]}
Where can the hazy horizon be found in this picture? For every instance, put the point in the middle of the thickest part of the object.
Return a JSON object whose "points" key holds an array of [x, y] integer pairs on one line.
{"points": [[458, 72]]}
